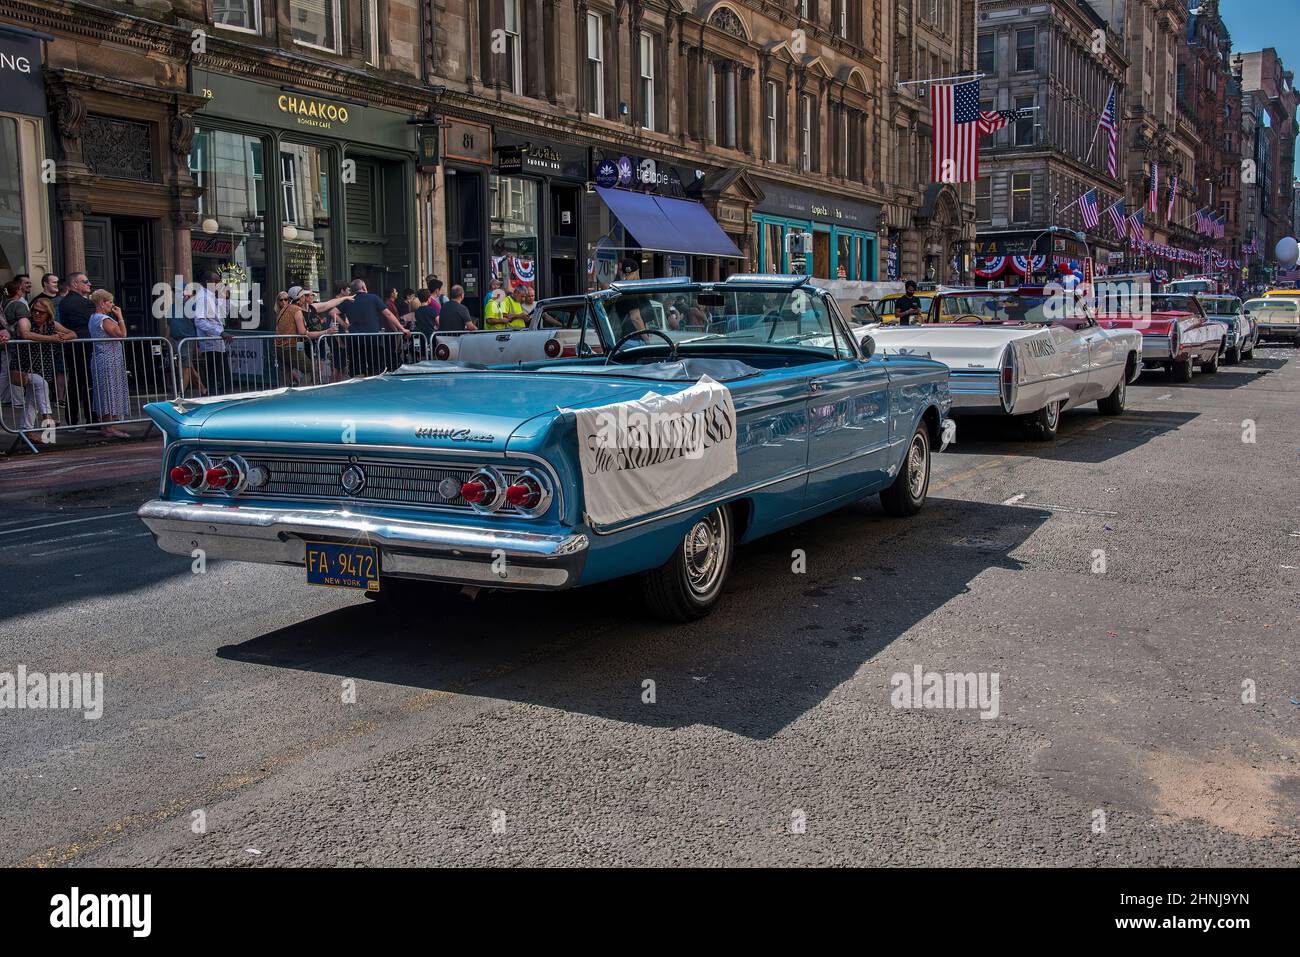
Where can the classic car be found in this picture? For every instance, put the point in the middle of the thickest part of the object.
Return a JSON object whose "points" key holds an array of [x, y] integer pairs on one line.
{"points": [[655, 458], [1192, 285], [884, 307], [552, 332], [1021, 352], [1243, 330], [1176, 333], [1277, 316]]}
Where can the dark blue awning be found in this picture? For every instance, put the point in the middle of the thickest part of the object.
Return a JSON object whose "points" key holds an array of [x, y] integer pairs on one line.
{"points": [[664, 225]]}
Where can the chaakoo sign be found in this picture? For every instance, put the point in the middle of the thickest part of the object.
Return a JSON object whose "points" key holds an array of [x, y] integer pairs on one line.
{"points": [[301, 111]]}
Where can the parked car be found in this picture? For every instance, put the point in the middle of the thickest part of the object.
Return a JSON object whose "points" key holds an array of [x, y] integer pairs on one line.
{"points": [[1177, 335], [1243, 330], [884, 307], [1014, 352], [553, 331], [654, 458], [1277, 317]]}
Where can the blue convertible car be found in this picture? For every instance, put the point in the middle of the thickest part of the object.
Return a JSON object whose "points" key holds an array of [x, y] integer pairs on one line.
{"points": [[692, 416]]}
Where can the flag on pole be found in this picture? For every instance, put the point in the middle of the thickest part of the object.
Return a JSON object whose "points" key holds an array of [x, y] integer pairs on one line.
{"points": [[1117, 216], [993, 120], [957, 122], [1173, 193], [1153, 187], [1089, 209], [1135, 225], [1109, 121], [1202, 221]]}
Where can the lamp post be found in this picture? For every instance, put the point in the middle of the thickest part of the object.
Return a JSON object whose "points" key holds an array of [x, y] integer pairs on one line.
{"points": [[1053, 230]]}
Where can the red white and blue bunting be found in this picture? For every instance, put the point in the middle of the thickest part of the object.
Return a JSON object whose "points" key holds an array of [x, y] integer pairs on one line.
{"points": [[987, 267], [1022, 265]]}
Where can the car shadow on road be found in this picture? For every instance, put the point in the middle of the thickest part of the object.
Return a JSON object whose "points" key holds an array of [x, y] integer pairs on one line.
{"points": [[779, 642], [1084, 436], [1227, 378]]}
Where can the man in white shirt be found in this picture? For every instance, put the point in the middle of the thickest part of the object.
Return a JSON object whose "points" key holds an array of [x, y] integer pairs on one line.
{"points": [[209, 323]]}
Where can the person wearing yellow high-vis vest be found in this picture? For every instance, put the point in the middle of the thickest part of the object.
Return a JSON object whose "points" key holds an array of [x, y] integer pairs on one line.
{"points": [[503, 312]]}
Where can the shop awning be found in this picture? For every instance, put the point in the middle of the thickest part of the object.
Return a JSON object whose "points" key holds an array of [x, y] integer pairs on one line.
{"points": [[664, 225]]}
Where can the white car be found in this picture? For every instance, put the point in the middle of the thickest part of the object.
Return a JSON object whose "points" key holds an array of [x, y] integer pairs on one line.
{"points": [[554, 331], [1008, 355], [1278, 317]]}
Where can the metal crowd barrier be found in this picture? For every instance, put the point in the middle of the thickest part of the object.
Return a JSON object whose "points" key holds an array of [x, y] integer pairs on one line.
{"points": [[48, 387], [102, 383]]}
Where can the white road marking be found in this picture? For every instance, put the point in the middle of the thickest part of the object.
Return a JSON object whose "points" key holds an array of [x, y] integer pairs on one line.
{"points": [[1014, 499], [1167, 395], [68, 538], [1074, 509], [70, 521]]}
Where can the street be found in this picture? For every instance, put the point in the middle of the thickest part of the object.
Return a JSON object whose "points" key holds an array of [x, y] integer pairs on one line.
{"points": [[1148, 711]]}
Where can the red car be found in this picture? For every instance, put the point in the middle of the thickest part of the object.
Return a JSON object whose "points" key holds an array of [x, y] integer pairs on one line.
{"points": [[1177, 335]]}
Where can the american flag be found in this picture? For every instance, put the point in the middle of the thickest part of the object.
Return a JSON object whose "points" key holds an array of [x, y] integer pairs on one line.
{"points": [[1118, 216], [1135, 225], [1220, 221], [993, 120], [1109, 122], [1173, 193], [1089, 209], [1202, 221], [1153, 187], [957, 126]]}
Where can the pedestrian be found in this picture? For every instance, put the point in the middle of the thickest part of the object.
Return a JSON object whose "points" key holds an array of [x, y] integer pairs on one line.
{"points": [[299, 325], [27, 390], [526, 298], [47, 336], [74, 314], [109, 362], [49, 291], [502, 310], [908, 306], [210, 326], [368, 316], [426, 316], [16, 292], [434, 285], [454, 317]]}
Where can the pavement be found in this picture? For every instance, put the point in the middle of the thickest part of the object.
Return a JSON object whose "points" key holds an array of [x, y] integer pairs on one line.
{"points": [[1147, 712]]}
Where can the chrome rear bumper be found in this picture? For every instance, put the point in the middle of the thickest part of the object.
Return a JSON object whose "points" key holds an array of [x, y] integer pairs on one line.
{"points": [[497, 558]]}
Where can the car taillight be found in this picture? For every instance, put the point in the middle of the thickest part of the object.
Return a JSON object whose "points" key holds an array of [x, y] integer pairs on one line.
{"points": [[529, 493], [552, 348], [226, 477], [485, 490], [441, 352], [192, 473], [184, 475]]}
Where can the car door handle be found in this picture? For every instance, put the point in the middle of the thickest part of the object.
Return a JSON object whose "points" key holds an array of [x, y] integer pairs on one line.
{"points": [[816, 385]]}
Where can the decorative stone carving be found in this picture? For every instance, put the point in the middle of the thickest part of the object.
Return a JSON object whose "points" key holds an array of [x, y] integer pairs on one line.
{"points": [[118, 148], [70, 113], [182, 130], [727, 21]]}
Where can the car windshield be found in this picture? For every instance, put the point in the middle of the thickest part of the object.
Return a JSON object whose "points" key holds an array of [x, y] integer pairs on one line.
{"points": [[997, 306], [1163, 302], [765, 318], [1272, 305], [1221, 307]]}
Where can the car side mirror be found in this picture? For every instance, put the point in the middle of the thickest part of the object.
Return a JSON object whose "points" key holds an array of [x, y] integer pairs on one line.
{"points": [[868, 347]]}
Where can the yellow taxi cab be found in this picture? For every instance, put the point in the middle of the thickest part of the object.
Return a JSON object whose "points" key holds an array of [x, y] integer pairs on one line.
{"points": [[884, 306], [1289, 293]]}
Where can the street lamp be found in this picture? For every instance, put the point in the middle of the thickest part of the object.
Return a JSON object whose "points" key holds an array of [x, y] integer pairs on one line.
{"points": [[1072, 233]]}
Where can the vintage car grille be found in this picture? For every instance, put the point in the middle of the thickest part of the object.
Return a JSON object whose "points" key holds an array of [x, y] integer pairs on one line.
{"points": [[386, 482]]}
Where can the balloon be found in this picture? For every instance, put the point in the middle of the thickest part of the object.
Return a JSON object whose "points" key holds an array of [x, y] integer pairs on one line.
{"points": [[1288, 251]]}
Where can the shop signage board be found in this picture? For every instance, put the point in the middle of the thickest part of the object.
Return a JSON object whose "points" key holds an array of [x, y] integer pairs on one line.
{"points": [[20, 73], [467, 142]]}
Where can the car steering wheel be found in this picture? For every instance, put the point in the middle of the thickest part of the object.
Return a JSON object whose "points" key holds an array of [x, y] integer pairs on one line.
{"points": [[672, 346]]}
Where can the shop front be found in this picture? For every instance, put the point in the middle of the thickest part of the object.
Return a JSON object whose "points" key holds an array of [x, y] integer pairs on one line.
{"points": [[299, 189], [25, 235], [664, 218], [844, 233], [1013, 258]]}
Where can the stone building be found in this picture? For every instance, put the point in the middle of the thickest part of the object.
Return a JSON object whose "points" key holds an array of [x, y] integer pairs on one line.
{"points": [[1204, 81], [1056, 61], [1268, 117], [928, 227]]}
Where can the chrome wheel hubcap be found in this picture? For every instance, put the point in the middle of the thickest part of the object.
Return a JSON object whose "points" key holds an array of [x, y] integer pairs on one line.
{"points": [[704, 551], [1053, 413], [916, 467]]}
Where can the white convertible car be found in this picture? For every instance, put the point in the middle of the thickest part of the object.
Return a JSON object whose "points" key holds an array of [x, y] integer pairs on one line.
{"points": [[554, 331], [1010, 353]]}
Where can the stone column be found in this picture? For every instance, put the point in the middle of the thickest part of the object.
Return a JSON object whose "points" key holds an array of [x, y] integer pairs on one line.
{"points": [[73, 214]]}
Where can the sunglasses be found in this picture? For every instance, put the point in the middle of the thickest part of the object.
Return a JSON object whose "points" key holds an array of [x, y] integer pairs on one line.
{"points": [[281, 298]]}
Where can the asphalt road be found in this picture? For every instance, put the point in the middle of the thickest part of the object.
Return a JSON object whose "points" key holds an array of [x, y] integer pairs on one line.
{"points": [[514, 730]]}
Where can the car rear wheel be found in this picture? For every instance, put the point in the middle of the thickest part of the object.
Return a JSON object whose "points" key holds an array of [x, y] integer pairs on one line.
{"points": [[1211, 365], [907, 493], [1042, 425], [1232, 357], [1249, 353], [688, 585], [1181, 370], [1113, 404]]}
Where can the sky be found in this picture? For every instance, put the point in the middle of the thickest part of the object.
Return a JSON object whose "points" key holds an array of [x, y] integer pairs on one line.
{"points": [[1256, 24]]}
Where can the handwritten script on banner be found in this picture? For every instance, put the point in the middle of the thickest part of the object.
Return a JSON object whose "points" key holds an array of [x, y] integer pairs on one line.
{"points": [[647, 454]]}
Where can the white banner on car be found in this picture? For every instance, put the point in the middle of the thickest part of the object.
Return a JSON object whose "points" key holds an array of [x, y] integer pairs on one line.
{"points": [[647, 454]]}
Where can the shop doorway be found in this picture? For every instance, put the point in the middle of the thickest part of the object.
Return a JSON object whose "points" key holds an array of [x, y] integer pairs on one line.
{"points": [[466, 198], [119, 258], [377, 226]]}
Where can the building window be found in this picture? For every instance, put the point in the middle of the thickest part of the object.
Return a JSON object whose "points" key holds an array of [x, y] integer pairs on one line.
{"points": [[721, 102], [1025, 59], [595, 64], [807, 127], [988, 62], [307, 235], [237, 15], [840, 17], [801, 7], [1022, 196], [647, 81], [228, 235], [513, 78], [370, 30], [711, 103], [1025, 122], [315, 23], [770, 116], [514, 227], [289, 187], [13, 243], [983, 199]]}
